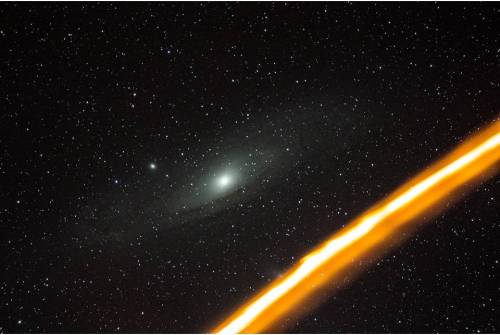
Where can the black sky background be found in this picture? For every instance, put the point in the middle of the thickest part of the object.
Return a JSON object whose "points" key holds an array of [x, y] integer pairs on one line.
{"points": [[363, 96]]}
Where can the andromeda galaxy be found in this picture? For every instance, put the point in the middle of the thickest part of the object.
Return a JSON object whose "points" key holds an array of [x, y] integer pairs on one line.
{"points": [[186, 167]]}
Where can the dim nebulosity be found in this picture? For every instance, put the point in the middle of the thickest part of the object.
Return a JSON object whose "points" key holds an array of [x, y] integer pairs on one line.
{"points": [[161, 163]]}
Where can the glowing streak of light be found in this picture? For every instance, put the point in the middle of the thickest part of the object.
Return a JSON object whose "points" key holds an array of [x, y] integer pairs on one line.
{"points": [[467, 162]]}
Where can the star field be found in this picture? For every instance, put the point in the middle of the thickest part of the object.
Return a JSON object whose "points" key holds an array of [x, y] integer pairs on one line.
{"points": [[160, 163]]}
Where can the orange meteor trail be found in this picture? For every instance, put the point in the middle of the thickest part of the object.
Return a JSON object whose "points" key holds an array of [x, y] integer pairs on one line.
{"points": [[368, 234]]}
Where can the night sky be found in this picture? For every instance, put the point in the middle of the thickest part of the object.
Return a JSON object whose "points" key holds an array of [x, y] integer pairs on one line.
{"points": [[160, 163]]}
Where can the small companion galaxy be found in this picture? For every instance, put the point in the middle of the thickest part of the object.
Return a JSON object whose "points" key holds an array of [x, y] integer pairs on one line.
{"points": [[163, 163]]}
